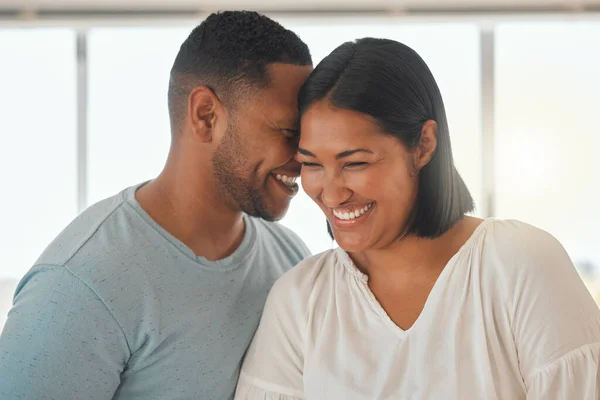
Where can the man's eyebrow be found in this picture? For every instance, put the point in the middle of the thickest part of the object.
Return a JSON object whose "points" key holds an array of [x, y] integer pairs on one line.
{"points": [[305, 152]]}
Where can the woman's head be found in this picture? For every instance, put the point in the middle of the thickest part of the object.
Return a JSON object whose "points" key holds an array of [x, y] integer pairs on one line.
{"points": [[375, 146]]}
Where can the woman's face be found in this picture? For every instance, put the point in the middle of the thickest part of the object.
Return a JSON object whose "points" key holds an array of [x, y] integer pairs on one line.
{"points": [[365, 181]]}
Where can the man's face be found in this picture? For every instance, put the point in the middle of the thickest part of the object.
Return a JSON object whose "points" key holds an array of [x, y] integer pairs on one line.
{"points": [[254, 163]]}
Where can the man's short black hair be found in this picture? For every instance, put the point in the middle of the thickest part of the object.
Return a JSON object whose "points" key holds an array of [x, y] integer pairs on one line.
{"points": [[229, 53]]}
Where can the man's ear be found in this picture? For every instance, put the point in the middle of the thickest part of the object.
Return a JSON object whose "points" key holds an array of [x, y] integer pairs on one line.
{"points": [[204, 110]]}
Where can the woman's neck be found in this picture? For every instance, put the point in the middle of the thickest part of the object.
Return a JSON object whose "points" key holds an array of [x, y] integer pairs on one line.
{"points": [[411, 255]]}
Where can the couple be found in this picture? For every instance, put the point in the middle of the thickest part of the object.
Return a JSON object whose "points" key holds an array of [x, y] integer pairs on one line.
{"points": [[157, 293]]}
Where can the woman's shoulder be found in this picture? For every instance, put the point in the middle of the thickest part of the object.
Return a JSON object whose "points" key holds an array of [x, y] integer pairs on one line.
{"points": [[292, 297], [513, 250], [518, 239]]}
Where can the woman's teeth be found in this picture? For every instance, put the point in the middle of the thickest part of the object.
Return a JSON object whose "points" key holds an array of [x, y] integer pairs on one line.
{"points": [[349, 214]]}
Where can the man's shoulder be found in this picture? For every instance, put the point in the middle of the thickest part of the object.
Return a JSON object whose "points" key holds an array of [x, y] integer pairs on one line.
{"points": [[77, 234], [104, 245], [99, 256], [275, 235]]}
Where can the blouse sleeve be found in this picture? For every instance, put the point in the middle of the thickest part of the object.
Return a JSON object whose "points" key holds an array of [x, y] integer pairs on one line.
{"points": [[273, 366], [555, 321], [574, 376]]}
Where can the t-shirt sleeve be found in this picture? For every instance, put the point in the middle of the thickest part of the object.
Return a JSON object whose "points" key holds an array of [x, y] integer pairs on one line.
{"points": [[555, 321], [60, 341]]}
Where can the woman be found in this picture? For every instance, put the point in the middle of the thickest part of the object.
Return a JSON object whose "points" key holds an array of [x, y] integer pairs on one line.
{"points": [[420, 301]]}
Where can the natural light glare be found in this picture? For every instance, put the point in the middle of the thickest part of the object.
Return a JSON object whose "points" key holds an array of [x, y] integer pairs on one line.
{"points": [[38, 143], [547, 133], [529, 162], [129, 133]]}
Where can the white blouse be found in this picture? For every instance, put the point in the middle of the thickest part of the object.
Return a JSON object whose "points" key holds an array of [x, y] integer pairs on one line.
{"points": [[508, 318]]}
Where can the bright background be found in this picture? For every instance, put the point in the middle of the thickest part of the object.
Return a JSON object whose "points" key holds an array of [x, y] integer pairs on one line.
{"points": [[84, 115]]}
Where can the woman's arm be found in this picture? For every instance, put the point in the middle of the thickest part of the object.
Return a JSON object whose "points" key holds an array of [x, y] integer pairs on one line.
{"points": [[555, 321]]}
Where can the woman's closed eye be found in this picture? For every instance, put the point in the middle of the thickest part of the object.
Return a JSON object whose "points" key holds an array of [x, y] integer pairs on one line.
{"points": [[355, 164], [309, 164], [350, 165]]}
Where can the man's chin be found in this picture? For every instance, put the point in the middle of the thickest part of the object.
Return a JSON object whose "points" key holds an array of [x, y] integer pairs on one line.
{"points": [[275, 211], [270, 205], [273, 216]]}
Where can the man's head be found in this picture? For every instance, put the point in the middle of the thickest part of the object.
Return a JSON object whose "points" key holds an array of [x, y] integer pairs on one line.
{"points": [[233, 99]]}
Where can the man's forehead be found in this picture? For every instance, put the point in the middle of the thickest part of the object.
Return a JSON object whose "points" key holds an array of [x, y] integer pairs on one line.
{"points": [[278, 100], [283, 102], [283, 96], [286, 79], [275, 110]]}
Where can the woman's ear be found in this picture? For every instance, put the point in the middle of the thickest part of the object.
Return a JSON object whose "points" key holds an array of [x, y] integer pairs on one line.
{"points": [[427, 144]]}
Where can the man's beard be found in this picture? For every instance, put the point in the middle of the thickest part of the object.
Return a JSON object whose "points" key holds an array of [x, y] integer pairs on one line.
{"points": [[234, 178]]}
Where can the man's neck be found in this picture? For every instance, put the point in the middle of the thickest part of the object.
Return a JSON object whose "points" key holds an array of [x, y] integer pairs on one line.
{"points": [[194, 214]]}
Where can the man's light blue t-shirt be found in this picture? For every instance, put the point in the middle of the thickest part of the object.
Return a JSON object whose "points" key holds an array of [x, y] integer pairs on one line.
{"points": [[117, 308]]}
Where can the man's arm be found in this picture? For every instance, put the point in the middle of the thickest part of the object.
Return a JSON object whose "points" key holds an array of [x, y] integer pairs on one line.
{"points": [[60, 341]]}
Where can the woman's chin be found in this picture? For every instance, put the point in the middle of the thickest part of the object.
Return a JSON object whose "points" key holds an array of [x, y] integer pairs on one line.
{"points": [[352, 244]]}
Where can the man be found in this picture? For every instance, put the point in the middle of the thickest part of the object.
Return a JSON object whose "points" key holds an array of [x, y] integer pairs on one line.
{"points": [[156, 292]]}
